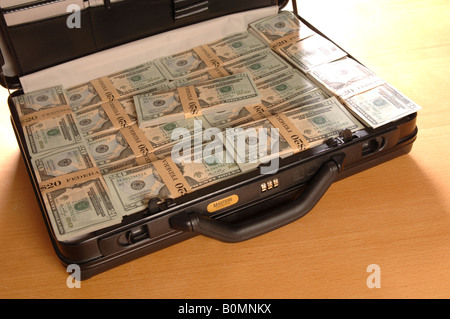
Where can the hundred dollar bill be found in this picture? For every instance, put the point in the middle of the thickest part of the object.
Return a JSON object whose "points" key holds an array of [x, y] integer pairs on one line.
{"points": [[345, 78], [134, 187], [283, 86], [210, 55], [311, 52], [144, 77], [275, 27], [51, 131], [205, 98], [39, 100], [62, 161], [318, 122], [80, 208], [381, 105]]}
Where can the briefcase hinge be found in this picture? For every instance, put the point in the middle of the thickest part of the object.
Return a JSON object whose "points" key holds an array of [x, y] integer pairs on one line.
{"points": [[183, 9], [107, 4]]}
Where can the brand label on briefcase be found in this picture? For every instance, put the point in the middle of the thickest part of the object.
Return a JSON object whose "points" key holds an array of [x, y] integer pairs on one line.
{"points": [[222, 203]]}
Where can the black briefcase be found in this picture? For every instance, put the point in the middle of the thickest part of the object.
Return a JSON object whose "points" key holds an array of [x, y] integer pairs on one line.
{"points": [[234, 210]]}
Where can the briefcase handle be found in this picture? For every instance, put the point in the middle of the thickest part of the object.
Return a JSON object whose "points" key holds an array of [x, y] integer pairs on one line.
{"points": [[266, 221]]}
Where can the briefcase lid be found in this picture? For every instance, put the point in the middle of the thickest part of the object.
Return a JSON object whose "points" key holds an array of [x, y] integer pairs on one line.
{"points": [[35, 35]]}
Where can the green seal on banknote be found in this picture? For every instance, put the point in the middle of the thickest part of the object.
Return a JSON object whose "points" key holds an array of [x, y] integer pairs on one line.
{"points": [[255, 66], [379, 102], [237, 45], [169, 127], [42, 98], [53, 132], [136, 78], [64, 162], [281, 87], [81, 205], [319, 120], [137, 185], [225, 89]]}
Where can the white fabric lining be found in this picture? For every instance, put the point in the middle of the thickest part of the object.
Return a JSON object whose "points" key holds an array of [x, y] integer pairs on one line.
{"points": [[134, 53]]}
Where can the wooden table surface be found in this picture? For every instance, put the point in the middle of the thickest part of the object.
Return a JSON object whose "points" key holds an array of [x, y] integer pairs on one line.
{"points": [[396, 215]]}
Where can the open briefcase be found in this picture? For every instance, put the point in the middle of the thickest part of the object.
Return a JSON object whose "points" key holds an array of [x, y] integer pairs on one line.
{"points": [[47, 44]]}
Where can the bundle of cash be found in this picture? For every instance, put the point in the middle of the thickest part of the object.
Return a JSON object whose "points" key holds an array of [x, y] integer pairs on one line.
{"points": [[345, 78], [199, 77], [128, 143], [299, 129], [323, 120], [162, 136], [240, 116], [209, 56], [205, 98], [276, 27], [78, 204], [260, 141], [40, 100], [105, 118], [74, 192], [381, 105], [311, 52], [259, 65], [62, 161], [283, 86], [273, 89], [145, 77], [230, 118], [134, 187], [109, 147], [308, 98], [50, 129]]}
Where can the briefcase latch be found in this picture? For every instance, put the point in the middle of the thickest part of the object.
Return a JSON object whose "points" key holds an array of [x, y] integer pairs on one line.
{"points": [[344, 137], [183, 9], [137, 234]]}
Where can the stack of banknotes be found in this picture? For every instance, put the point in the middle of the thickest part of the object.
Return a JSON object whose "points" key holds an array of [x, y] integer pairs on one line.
{"points": [[102, 149], [373, 101]]}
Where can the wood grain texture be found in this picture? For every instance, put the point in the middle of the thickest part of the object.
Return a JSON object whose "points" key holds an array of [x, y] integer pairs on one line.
{"points": [[396, 215]]}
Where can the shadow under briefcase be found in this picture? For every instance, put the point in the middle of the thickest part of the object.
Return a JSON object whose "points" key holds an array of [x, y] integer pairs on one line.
{"points": [[47, 44]]}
